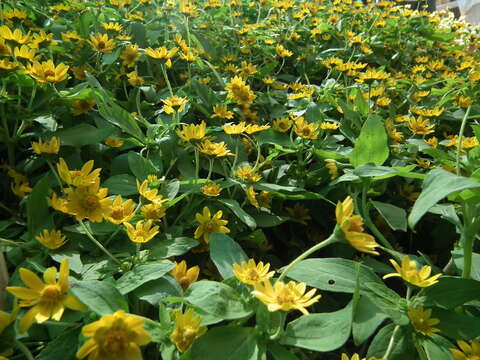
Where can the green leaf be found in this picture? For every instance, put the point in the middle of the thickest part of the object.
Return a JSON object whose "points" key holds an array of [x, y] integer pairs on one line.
{"points": [[366, 320], [389, 302], [140, 166], [100, 296], [139, 34], [225, 252], [332, 274], [320, 332], [62, 347], [403, 347], [141, 274], [154, 292], [226, 343], [280, 353], [172, 247], [83, 134], [234, 206], [451, 292], [122, 184], [37, 207], [269, 220], [74, 260], [110, 58], [458, 260], [457, 325], [216, 302], [372, 144], [437, 185], [395, 217], [437, 348]]}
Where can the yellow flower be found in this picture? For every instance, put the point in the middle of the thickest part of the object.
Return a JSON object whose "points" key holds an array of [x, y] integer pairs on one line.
{"points": [[134, 79], [352, 228], [254, 128], [174, 104], [232, 129], [142, 232], [300, 213], [47, 72], [469, 351], [114, 337], [130, 55], [82, 106], [120, 212], [251, 273], [184, 276], [192, 131], [154, 211], [282, 52], [285, 297], [83, 177], [51, 239], [420, 126], [162, 53], [211, 189], [101, 43], [474, 76], [437, 111], [149, 194], [47, 299], [112, 26], [113, 142], [305, 130], [383, 101], [210, 225], [49, 147], [222, 112], [326, 125], [372, 74], [210, 148], [7, 65], [15, 35], [248, 174], [240, 92], [409, 272], [464, 101], [282, 124], [24, 52], [187, 329], [7, 319], [357, 357], [421, 321], [251, 197], [331, 165], [88, 202]]}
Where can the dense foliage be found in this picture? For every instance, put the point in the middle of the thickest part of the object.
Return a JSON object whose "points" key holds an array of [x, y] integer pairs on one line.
{"points": [[228, 179]]}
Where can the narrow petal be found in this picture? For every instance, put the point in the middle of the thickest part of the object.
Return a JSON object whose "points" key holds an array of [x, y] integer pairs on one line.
{"points": [[23, 293], [28, 319], [50, 275], [86, 348], [31, 279], [71, 302]]}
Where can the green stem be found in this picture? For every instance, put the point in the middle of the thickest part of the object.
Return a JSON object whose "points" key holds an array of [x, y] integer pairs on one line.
{"points": [[165, 76], [54, 173], [197, 163], [468, 239], [368, 221], [280, 326], [330, 240], [10, 243], [210, 168], [390, 343], [23, 349], [96, 242], [460, 137]]}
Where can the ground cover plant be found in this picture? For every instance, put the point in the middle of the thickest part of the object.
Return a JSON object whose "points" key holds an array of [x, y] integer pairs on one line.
{"points": [[272, 179]]}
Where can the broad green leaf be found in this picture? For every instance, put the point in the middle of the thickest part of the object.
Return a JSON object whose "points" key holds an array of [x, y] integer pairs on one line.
{"points": [[234, 206], [403, 347], [395, 217], [320, 332], [74, 260], [389, 302], [216, 301], [122, 184], [281, 353], [141, 274], [457, 325], [332, 274], [226, 343], [366, 320], [157, 333], [371, 145], [156, 291], [100, 296], [458, 260], [268, 220], [37, 207], [172, 247], [140, 166], [437, 185], [451, 292], [225, 252], [62, 347], [110, 58], [83, 134], [437, 347]]}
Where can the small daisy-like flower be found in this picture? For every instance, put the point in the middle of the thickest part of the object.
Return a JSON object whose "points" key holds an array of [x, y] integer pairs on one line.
{"points": [[187, 329], [154, 211], [101, 43], [47, 72], [211, 148], [299, 213], [240, 92], [51, 146], [121, 211], [185, 276], [235, 129], [285, 297], [251, 273], [420, 126], [113, 142], [282, 52], [210, 224], [331, 165], [130, 56], [254, 128], [83, 177], [326, 125], [192, 132], [251, 196], [47, 299], [422, 322], [352, 228], [468, 351], [211, 189], [248, 174], [408, 271], [114, 337], [80, 107], [174, 104], [88, 202], [222, 112], [372, 74], [282, 124], [142, 232], [51, 239], [305, 130]]}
